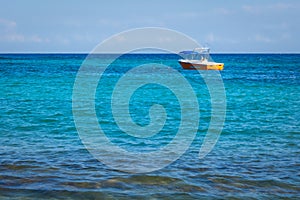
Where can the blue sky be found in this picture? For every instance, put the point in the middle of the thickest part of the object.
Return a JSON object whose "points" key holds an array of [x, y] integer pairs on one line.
{"points": [[78, 26]]}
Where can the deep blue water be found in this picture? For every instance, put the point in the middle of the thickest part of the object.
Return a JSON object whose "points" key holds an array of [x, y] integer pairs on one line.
{"points": [[257, 155]]}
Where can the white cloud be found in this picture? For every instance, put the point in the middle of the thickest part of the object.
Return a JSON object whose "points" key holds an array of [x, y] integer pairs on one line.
{"points": [[286, 36], [83, 37], [222, 11], [14, 37], [275, 7], [189, 15], [281, 6], [37, 39], [9, 33], [252, 9], [262, 38], [7, 24], [210, 37], [108, 22]]}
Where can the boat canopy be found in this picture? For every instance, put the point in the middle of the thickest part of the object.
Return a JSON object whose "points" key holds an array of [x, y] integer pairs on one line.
{"points": [[197, 54]]}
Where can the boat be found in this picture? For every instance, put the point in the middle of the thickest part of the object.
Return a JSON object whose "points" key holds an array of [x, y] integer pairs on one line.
{"points": [[198, 59]]}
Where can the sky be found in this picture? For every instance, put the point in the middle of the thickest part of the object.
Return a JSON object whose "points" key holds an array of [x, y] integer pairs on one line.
{"points": [[231, 26]]}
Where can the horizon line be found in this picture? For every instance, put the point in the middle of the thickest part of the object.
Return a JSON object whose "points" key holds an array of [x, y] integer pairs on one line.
{"points": [[146, 53], [78, 52]]}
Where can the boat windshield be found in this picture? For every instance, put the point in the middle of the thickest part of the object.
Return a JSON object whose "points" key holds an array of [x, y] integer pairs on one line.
{"points": [[197, 54]]}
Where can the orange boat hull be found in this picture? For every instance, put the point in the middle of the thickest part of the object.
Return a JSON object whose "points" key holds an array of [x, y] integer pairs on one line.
{"points": [[193, 66]]}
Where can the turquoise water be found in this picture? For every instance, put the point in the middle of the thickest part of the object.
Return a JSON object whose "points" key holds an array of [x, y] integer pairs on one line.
{"points": [[257, 155]]}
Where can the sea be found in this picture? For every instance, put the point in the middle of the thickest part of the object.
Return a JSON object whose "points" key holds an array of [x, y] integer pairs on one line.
{"points": [[43, 154]]}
